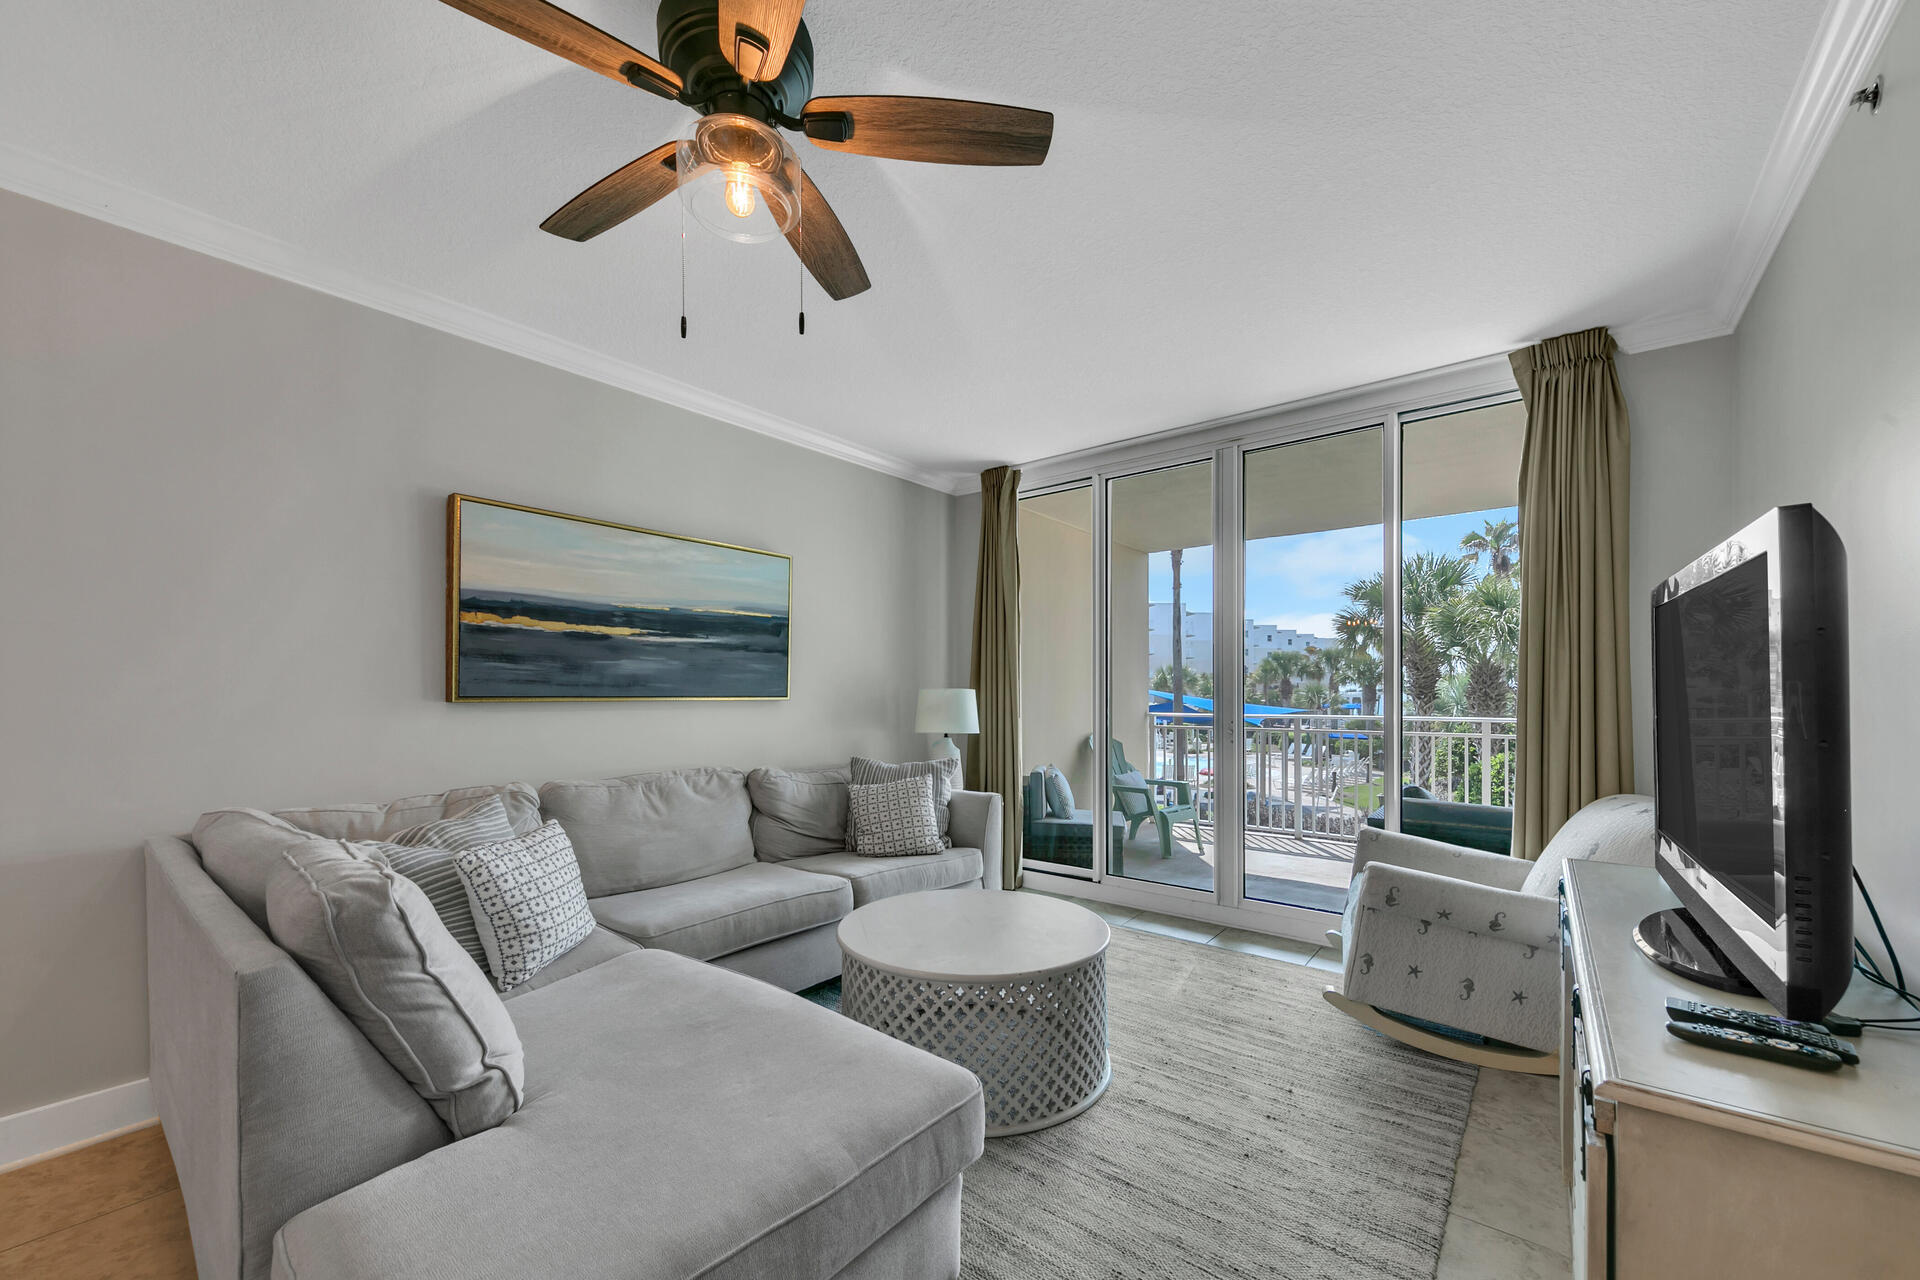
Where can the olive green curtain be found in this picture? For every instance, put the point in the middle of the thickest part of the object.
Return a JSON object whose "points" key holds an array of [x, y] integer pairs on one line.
{"points": [[1575, 717], [993, 762]]}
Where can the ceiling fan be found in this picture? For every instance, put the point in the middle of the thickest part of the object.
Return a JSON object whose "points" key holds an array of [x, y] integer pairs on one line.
{"points": [[747, 67]]}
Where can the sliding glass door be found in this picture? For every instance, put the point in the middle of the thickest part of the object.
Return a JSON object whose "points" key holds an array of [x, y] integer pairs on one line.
{"points": [[1237, 659], [1161, 758], [1460, 620], [1058, 629], [1315, 746]]}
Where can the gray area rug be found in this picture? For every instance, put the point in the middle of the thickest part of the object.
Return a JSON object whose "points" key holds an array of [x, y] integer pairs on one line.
{"points": [[1250, 1130]]}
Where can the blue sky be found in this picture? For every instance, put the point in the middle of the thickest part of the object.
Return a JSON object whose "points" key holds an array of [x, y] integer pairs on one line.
{"points": [[1296, 581], [502, 549]]}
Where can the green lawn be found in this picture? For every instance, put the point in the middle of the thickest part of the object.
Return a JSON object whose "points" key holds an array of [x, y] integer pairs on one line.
{"points": [[1364, 796]]}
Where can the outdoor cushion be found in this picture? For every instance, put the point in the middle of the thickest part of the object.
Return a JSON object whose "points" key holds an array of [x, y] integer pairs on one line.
{"points": [[797, 812], [373, 943], [599, 947], [652, 1148], [1059, 794], [651, 829], [874, 878], [239, 847], [720, 914]]}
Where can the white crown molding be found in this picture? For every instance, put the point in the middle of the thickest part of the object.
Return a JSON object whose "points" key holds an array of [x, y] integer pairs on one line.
{"points": [[49, 180], [1671, 330], [28, 1136], [1849, 38]]}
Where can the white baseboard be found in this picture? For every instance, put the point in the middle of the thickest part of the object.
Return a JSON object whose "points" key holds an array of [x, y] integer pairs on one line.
{"points": [[28, 1136]]}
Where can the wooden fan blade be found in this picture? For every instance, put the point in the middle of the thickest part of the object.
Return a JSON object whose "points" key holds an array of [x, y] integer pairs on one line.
{"points": [[937, 130], [756, 34], [823, 246], [615, 198], [557, 31]]}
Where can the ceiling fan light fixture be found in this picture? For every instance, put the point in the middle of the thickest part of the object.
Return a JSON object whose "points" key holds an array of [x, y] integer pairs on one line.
{"points": [[739, 178]]}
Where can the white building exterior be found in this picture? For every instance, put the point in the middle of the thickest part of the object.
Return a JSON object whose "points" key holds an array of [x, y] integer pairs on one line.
{"points": [[1258, 640]]}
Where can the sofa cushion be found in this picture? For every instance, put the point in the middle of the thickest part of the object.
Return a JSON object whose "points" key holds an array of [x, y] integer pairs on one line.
{"points": [[651, 829], [874, 878], [798, 812], [720, 914], [681, 1121], [370, 939], [598, 947], [527, 902], [239, 847]]}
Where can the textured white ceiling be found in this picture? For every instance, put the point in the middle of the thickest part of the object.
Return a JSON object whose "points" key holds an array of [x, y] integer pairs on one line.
{"points": [[1247, 201]]}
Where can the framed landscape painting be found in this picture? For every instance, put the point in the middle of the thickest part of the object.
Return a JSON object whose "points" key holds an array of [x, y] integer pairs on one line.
{"points": [[549, 607]]}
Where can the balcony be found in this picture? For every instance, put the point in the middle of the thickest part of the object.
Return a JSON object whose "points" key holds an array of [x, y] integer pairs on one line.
{"points": [[1312, 781]]}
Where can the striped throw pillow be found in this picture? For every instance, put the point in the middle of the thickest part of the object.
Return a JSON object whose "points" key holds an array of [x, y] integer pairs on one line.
{"points": [[425, 855]]}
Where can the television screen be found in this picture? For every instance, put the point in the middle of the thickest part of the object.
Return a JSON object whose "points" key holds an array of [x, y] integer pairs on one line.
{"points": [[1714, 724]]}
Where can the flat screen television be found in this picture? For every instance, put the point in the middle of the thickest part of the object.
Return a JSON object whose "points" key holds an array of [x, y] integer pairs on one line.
{"points": [[1751, 766]]}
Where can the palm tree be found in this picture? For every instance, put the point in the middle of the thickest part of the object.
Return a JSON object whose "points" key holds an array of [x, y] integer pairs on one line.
{"points": [[1479, 629], [1362, 628], [1313, 696], [1195, 682], [1428, 580], [1499, 542], [1365, 670], [1277, 672]]}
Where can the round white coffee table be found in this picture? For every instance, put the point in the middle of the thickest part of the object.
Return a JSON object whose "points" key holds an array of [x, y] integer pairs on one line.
{"points": [[1012, 986]]}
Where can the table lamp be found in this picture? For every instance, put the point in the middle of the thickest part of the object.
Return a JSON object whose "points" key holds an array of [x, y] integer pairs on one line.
{"points": [[947, 712]]}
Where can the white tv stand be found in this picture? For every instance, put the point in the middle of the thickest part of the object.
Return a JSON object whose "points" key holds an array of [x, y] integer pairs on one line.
{"points": [[1687, 1161]]}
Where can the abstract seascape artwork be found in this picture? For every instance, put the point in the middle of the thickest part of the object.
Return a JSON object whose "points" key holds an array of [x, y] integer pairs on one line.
{"points": [[543, 606]]}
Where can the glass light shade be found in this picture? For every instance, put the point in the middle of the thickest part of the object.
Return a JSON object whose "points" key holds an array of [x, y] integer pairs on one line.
{"points": [[739, 178]]}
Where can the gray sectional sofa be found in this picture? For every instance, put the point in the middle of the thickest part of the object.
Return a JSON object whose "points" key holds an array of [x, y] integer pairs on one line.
{"points": [[681, 1120]]}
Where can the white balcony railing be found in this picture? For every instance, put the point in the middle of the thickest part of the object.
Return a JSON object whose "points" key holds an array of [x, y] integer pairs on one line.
{"points": [[1323, 774]]}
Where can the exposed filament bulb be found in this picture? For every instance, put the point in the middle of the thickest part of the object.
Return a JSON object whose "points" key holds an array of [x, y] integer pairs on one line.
{"points": [[740, 198]]}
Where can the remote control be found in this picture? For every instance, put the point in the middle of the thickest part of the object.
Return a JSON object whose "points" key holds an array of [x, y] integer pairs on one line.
{"points": [[1771, 1048], [1761, 1024]]}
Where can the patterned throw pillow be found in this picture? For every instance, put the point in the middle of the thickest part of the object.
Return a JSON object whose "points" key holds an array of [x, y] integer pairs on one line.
{"points": [[943, 772], [425, 855], [893, 819], [527, 902], [1059, 794]]}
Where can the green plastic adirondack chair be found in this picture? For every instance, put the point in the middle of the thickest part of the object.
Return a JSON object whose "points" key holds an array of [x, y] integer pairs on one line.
{"points": [[1143, 803]]}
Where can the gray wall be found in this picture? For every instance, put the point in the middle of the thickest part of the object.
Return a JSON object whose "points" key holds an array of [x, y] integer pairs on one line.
{"points": [[1829, 413], [221, 550], [1680, 401]]}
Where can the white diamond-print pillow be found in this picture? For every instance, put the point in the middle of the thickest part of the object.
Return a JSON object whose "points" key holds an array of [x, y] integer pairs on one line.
{"points": [[527, 901], [893, 819]]}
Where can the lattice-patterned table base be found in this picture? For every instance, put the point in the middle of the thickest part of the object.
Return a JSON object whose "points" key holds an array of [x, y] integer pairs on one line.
{"points": [[1038, 1044]]}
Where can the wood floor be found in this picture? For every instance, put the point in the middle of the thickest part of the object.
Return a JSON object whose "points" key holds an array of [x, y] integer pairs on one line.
{"points": [[111, 1210]]}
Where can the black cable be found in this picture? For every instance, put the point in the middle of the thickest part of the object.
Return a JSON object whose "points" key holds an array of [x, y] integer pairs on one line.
{"points": [[1900, 980], [1869, 968]]}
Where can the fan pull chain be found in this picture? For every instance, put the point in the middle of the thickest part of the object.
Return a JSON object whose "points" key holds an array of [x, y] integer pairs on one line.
{"points": [[803, 269], [683, 270]]}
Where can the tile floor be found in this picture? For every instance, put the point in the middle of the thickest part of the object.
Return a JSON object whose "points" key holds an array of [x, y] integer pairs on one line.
{"points": [[1509, 1213]]}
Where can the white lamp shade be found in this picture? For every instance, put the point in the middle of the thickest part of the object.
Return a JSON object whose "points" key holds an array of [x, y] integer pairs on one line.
{"points": [[947, 711]]}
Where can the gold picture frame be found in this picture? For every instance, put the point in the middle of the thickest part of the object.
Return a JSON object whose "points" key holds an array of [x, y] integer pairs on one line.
{"points": [[551, 627]]}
